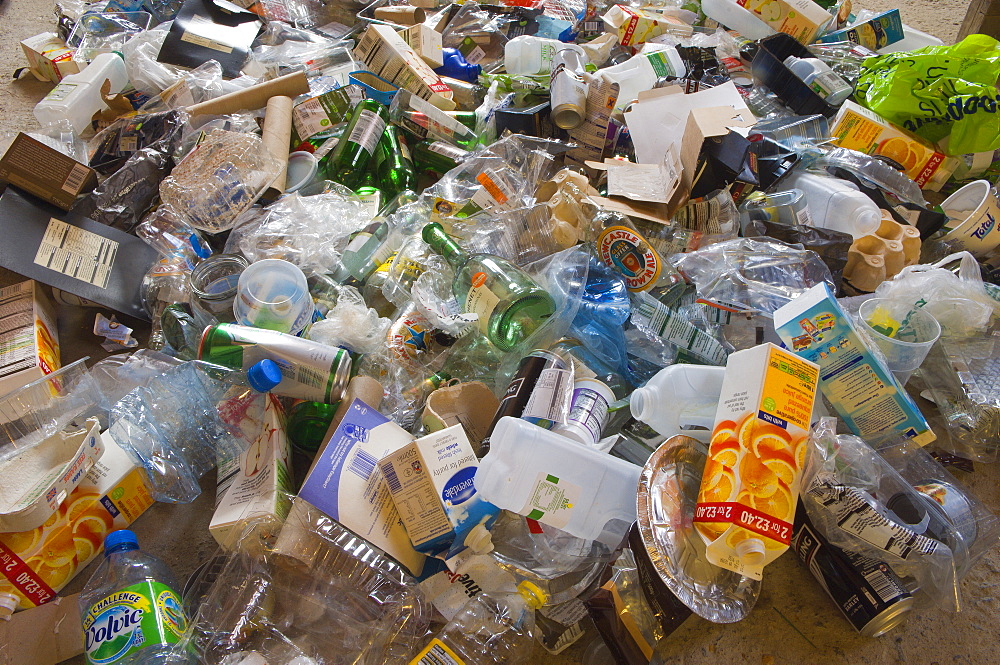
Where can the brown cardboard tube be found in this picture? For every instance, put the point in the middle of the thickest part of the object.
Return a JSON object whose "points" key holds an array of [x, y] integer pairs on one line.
{"points": [[277, 135], [254, 97], [401, 14]]}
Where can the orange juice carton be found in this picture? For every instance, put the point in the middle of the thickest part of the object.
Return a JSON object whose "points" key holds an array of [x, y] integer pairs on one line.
{"points": [[28, 336], [750, 485], [861, 129], [36, 564], [635, 27], [253, 483], [48, 57], [802, 19]]}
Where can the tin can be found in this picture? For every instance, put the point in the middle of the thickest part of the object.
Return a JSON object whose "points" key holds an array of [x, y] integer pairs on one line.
{"points": [[568, 90], [868, 592], [541, 369]]}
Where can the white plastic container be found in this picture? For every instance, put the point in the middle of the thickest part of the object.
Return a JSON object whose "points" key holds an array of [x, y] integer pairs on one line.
{"points": [[588, 412], [836, 204], [735, 17], [642, 71], [273, 294], [679, 397], [78, 97], [554, 480], [532, 56], [820, 78]]}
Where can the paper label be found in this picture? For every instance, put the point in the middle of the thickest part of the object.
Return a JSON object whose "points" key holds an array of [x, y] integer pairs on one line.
{"points": [[550, 397], [368, 131], [17, 349], [77, 253], [496, 191], [310, 119], [61, 92], [141, 615], [205, 25], [481, 301], [439, 123], [437, 653], [551, 501], [656, 317], [630, 255]]}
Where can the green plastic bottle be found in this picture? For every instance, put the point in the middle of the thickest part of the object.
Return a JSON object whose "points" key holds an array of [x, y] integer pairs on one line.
{"points": [[509, 303], [349, 161]]}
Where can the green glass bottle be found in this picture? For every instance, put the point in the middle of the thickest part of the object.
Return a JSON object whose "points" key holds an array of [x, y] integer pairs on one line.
{"points": [[509, 303], [349, 161], [438, 156], [308, 423], [395, 165]]}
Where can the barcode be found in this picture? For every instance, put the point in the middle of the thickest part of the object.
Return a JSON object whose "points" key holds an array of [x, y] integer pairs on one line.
{"points": [[75, 179], [882, 585], [593, 26], [391, 478], [362, 464]]}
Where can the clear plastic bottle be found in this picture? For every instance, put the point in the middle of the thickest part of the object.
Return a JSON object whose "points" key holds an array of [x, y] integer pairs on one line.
{"points": [[131, 612], [493, 629], [820, 78], [166, 283]]}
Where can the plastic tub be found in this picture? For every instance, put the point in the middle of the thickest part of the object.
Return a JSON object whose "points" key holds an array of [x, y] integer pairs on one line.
{"points": [[273, 294]]}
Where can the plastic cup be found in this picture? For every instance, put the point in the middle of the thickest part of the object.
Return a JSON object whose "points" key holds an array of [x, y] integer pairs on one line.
{"points": [[979, 232], [907, 350], [273, 294]]}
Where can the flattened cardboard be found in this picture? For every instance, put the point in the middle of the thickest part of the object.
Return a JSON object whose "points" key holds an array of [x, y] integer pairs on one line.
{"points": [[46, 172], [210, 30], [84, 257], [44, 635]]}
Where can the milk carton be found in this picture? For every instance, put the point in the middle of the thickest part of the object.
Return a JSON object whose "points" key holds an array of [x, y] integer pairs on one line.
{"points": [[431, 482]]}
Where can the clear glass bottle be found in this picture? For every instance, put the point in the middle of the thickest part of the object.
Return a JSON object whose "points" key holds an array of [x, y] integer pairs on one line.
{"points": [[213, 286], [509, 303], [490, 628], [131, 612]]}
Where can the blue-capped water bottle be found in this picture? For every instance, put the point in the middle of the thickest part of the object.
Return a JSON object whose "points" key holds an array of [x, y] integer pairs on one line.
{"points": [[132, 614]]}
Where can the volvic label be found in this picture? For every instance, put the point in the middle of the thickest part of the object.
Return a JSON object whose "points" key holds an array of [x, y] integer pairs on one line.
{"points": [[139, 616]]}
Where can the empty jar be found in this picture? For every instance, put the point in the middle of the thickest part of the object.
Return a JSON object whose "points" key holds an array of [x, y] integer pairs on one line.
{"points": [[213, 285]]}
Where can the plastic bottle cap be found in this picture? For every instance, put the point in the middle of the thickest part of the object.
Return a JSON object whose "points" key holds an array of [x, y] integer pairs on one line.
{"points": [[264, 376], [532, 594], [479, 540], [8, 603], [751, 551], [119, 537]]}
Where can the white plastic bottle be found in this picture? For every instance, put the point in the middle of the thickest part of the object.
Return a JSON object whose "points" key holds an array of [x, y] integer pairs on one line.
{"points": [[680, 396], [642, 71], [820, 78], [735, 17], [836, 204], [78, 97], [554, 480], [532, 56]]}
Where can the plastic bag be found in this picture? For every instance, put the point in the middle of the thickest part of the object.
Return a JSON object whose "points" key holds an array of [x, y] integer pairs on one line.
{"points": [[751, 274], [939, 92], [958, 302], [351, 324]]}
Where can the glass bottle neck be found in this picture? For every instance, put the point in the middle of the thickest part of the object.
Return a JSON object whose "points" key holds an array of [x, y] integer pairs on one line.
{"points": [[435, 236]]}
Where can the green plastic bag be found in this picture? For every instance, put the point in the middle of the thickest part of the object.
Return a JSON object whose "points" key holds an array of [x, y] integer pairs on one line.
{"points": [[938, 92]]}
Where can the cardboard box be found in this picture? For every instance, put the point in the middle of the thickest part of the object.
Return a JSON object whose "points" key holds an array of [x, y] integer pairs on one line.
{"points": [[256, 484], [44, 635], [48, 57], [878, 31], [426, 42], [861, 129], [36, 564], [345, 482], [28, 335], [802, 19], [635, 27], [46, 172], [431, 483], [388, 56], [73, 253]]}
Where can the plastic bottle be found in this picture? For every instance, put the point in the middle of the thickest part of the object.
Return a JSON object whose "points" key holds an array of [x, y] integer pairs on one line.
{"points": [[735, 17], [490, 628], [78, 97], [788, 207], [556, 481], [166, 282], [456, 66], [836, 204], [679, 397], [820, 78], [131, 612], [642, 71], [532, 56], [588, 413]]}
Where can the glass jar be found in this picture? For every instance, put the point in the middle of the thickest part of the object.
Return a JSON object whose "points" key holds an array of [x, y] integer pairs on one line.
{"points": [[213, 285]]}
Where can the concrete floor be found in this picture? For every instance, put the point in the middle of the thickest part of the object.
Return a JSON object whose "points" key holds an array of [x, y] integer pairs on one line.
{"points": [[794, 621]]}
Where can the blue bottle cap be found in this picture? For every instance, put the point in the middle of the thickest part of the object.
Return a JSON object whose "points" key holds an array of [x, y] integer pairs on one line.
{"points": [[119, 537], [264, 376]]}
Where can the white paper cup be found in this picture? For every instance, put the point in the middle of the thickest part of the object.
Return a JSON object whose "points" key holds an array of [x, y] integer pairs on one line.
{"points": [[978, 234]]}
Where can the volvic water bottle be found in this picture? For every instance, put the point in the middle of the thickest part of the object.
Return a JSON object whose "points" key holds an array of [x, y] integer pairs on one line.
{"points": [[132, 614]]}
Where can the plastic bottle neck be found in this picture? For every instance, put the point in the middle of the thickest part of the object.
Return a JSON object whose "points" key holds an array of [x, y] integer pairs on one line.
{"points": [[120, 547]]}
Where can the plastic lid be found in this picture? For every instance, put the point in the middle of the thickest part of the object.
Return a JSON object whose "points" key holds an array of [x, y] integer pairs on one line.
{"points": [[119, 537], [264, 376], [479, 540], [532, 594], [751, 551], [8, 603]]}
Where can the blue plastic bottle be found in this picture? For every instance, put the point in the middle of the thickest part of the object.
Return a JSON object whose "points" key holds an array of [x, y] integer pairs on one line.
{"points": [[131, 613]]}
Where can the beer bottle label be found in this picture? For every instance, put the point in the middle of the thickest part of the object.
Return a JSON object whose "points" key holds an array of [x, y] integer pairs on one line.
{"points": [[367, 131], [141, 615]]}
